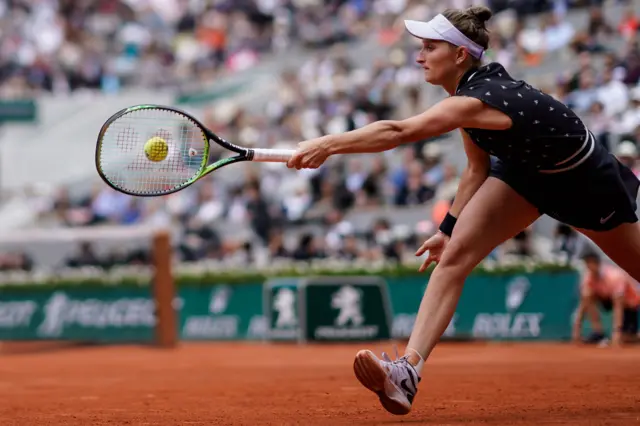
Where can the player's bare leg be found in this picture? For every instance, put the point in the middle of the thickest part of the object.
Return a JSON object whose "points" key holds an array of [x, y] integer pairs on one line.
{"points": [[494, 214], [621, 244]]}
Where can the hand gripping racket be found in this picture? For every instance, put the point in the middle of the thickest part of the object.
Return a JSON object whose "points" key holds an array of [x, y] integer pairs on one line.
{"points": [[154, 150]]}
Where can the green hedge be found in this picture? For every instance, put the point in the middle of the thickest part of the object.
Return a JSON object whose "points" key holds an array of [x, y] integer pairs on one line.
{"points": [[210, 273]]}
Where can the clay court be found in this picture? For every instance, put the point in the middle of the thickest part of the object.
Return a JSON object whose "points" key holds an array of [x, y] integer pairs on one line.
{"points": [[249, 384]]}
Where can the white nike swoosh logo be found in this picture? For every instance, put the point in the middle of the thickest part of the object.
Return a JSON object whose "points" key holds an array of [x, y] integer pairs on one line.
{"points": [[606, 219]]}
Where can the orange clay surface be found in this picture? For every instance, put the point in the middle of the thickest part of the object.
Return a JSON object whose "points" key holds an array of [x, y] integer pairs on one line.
{"points": [[256, 384]]}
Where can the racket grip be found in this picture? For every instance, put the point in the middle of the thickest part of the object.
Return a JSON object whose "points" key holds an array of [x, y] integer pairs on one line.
{"points": [[272, 155]]}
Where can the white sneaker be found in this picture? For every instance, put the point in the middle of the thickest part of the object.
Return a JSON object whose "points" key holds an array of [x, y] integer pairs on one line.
{"points": [[395, 382]]}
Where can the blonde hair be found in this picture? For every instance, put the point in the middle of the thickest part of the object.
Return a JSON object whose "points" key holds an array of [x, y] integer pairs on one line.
{"points": [[472, 23]]}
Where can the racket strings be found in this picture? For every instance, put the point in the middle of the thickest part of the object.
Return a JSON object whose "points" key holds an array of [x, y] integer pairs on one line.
{"points": [[124, 163]]}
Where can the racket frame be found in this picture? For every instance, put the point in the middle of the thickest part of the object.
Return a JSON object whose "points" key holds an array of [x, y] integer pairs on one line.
{"points": [[244, 154]]}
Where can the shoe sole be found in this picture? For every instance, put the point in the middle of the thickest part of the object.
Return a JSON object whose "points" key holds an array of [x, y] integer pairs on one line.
{"points": [[373, 377]]}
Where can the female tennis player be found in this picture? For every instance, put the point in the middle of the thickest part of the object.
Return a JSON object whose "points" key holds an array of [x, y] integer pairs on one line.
{"points": [[548, 163]]}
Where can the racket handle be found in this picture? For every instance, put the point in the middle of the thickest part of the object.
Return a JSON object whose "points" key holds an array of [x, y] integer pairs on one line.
{"points": [[272, 155]]}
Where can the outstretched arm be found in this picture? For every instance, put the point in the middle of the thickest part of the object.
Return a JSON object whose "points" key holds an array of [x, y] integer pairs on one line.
{"points": [[447, 115], [442, 118]]}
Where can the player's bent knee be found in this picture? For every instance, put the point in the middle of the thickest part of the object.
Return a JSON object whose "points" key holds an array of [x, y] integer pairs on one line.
{"points": [[450, 274], [459, 259]]}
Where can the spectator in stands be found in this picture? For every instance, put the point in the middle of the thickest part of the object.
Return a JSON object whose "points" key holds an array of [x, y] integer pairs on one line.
{"points": [[107, 205], [374, 189], [449, 185], [613, 93], [209, 206], [629, 120], [627, 154], [414, 191], [551, 35], [586, 94], [629, 24], [260, 216], [132, 213], [19, 261], [599, 29], [599, 123], [296, 204], [200, 241], [356, 175], [399, 174], [434, 167], [337, 227], [598, 33], [277, 249], [70, 212], [631, 63], [565, 242], [521, 246], [350, 249], [308, 249], [557, 32], [85, 257]]}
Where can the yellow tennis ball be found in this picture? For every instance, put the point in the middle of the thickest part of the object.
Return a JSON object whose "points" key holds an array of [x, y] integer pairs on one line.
{"points": [[156, 149]]}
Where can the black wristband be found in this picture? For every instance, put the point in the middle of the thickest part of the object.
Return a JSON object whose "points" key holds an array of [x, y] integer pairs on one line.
{"points": [[447, 225]]}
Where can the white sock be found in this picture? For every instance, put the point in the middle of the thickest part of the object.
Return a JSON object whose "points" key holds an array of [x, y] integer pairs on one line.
{"points": [[420, 364]]}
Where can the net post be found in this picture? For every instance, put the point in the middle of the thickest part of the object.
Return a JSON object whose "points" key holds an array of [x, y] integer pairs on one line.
{"points": [[164, 291]]}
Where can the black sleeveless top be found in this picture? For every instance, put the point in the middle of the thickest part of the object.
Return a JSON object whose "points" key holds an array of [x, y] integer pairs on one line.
{"points": [[546, 136]]}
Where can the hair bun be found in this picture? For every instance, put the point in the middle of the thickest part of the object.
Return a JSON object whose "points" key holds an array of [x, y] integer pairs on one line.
{"points": [[482, 13]]}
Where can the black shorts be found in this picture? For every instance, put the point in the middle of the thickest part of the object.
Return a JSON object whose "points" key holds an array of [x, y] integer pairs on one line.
{"points": [[629, 318], [600, 194]]}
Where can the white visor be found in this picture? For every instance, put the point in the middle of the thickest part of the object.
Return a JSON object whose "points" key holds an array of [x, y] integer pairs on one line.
{"points": [[439, 28]]}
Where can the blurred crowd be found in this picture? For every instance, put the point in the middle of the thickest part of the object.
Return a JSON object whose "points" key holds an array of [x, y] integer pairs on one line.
{"points": [[66, 45], [333, 92], [62, 46]]}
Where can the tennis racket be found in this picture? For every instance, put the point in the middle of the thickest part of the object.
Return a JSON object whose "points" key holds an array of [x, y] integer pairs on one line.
{"points": [[154, 150]]}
